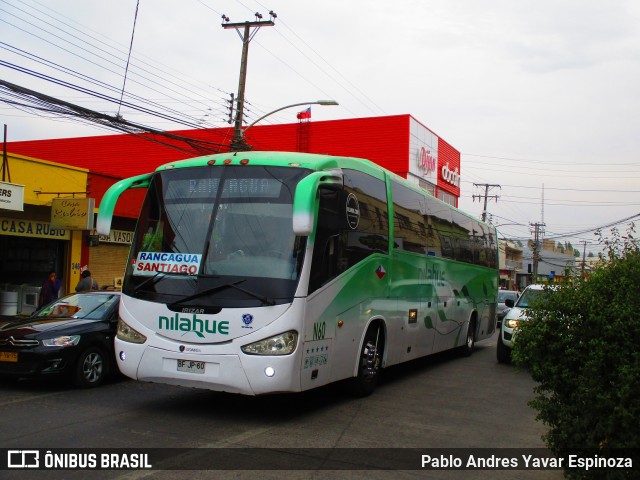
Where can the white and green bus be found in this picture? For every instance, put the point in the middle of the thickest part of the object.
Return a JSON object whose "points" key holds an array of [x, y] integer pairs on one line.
{"points": [[264, 272]]}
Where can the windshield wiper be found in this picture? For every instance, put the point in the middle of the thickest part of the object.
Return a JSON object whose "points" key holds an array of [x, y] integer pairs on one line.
{"points": [[152, 280], [160, 276], [222, 286]]}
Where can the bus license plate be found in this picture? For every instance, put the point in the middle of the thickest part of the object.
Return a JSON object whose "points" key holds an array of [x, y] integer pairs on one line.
{"points": [[8, 356], [190, 366]]}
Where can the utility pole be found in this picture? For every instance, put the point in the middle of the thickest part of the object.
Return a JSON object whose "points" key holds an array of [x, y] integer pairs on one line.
{"points": [[584, 252], [5, 161], [237, 142], [487, 187], [538, 232]]}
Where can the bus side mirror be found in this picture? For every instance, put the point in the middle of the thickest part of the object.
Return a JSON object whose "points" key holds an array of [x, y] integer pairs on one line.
{"points": [[304, 201], [509, 302], [110, 197]]}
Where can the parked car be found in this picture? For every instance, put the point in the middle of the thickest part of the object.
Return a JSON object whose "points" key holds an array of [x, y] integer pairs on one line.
{"points": [[511, 320], [72, 336], [508, 296]]}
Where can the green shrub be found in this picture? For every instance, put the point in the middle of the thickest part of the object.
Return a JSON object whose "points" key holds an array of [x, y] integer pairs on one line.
{"points": [[582, 347]]}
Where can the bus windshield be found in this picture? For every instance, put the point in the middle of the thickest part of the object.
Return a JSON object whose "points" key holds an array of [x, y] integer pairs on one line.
{"points": [[217, 237]]}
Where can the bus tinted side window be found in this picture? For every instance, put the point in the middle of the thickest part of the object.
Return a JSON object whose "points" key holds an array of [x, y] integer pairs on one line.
{"points": [[421, 223], [352, 224], [465, 237], [425, 225]]}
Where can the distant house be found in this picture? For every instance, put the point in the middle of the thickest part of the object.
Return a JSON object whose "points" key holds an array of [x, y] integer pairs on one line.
{"points": [[553, 265]]}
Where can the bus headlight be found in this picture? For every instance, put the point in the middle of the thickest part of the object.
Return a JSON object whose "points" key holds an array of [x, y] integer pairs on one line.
{"points": [[128, 334], [511, 323], [282, 344]]}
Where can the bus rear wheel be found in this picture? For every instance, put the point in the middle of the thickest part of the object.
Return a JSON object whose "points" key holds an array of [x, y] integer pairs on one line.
{"points": [[369, 362], [470, 340]]}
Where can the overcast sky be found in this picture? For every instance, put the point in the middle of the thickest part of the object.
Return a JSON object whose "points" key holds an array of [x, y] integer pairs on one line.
{"points": [[541, 98]]}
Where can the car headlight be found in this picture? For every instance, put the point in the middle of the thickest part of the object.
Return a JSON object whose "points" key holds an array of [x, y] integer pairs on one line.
{"points": [[62, 341], [513, 323], [282, 344], [128, 334]]}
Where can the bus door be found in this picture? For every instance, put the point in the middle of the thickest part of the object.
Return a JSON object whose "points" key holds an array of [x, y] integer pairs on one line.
{"points": [[447, 324], [419, 328]]}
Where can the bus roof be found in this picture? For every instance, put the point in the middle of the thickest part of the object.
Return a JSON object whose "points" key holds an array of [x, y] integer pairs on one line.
{"points": [[311, 161]]}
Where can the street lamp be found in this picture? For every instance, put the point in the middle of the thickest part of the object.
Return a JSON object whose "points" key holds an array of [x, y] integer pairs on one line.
{"points": [[505, 224], [243, 145]]}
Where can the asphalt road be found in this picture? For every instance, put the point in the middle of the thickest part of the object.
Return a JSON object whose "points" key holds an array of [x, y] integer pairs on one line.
{"points": [[443, 402]]}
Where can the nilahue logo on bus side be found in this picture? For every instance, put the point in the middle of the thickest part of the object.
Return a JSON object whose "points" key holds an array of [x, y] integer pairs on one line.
{"points": [[193, 324]]}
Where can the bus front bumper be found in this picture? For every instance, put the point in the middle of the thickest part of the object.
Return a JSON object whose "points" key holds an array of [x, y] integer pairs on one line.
{"points": [[247, 375]]}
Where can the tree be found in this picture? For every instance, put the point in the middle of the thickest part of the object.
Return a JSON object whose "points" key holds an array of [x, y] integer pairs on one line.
{"points": [[568, 246], [581, 347]]}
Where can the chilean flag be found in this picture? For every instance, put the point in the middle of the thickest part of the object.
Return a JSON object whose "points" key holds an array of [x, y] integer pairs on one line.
{"points": [[304, 114]]}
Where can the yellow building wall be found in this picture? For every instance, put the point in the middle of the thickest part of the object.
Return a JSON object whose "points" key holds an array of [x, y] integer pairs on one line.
{"points": [[48, 178], [44, 181], [74, 265]]}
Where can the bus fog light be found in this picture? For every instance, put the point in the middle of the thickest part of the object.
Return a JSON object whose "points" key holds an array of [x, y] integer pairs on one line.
{"points": [[123, 356], [269, 372]]}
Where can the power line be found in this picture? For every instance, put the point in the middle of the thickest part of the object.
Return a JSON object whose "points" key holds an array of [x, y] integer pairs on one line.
{"points": [[126, 70], [88, 46], [40, 101], [608, 225], [528, 160]]}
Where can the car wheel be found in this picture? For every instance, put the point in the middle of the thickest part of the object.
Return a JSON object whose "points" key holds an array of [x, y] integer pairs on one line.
{"points": [[90, 368], [470, 341], [503, 352], [369, 362]]}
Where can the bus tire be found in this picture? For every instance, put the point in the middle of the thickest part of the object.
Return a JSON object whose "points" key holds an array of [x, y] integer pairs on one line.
{"points": [[90, 369], [369, 362], [470, 340], [502, 351]]}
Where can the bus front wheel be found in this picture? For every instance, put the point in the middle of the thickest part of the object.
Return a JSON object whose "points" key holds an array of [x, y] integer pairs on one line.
{"points": [[369, 362]]}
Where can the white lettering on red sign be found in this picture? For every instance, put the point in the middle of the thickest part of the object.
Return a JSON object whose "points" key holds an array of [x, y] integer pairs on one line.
{"points": [[451, 176]]}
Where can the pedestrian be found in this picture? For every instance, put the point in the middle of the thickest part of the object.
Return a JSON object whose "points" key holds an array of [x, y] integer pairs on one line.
{"points": [[50, 289], [86, 283]]}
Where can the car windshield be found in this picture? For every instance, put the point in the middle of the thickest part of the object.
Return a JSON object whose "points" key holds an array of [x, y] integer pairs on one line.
{"points": [[85, 305], [527, 297]]}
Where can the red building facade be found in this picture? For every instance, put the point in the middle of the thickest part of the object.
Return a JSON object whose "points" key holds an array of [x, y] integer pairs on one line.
{"points": [[399, 143]]}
